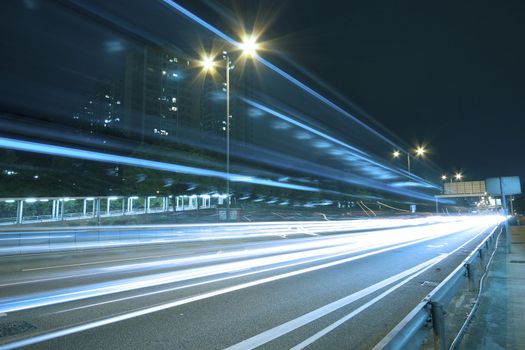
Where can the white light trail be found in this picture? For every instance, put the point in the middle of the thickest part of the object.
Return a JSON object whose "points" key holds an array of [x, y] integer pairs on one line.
{"points": [[362, 244]]}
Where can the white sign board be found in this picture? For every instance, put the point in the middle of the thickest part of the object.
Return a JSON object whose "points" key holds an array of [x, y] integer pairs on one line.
{"points": [[510, 184], [465, 187]]}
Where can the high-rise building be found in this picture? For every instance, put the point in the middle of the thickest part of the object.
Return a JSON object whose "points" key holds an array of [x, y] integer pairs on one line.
{"points": [[213, 107], [102, 109], [157, 98]]}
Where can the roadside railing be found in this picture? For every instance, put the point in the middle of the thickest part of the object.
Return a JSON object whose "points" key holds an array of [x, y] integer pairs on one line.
{"points": [[431, 324]]}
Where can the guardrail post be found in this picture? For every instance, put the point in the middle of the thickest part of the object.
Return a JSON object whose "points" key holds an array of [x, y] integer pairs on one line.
{"points": [[471, 275], [438, 323]]}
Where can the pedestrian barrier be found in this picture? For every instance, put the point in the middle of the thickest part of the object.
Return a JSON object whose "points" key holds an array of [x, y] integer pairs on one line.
{"points": [[14, 211]]}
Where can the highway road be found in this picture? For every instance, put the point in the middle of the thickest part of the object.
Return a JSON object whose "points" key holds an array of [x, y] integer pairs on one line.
{"points": [[337, 287]]}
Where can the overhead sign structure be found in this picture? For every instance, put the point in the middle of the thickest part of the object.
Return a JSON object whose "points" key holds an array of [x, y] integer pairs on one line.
{"points": [[474, 188], [509, 184], [504, 186]]}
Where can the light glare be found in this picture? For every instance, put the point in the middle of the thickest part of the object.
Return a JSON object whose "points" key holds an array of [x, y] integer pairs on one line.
{"points": [[207, 63], [420, 151], [249, 46]]}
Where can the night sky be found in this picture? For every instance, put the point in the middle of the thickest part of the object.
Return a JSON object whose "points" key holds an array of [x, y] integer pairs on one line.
{"points": [[450, 74]]}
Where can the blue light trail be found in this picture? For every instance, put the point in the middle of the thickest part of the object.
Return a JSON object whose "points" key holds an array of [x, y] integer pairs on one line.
{"points": [[42, 148], [277, 70]]}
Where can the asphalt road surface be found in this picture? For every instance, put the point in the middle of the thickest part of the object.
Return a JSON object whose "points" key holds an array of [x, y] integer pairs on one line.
{"points": [[321, 289]]}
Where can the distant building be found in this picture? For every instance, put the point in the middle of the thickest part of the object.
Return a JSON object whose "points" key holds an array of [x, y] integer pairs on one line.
{"points": [[156, 93], [161, 93], [103, 109]]}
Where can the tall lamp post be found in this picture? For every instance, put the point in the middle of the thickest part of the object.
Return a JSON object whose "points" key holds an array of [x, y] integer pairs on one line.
{"points": [[419, 152], [249, 48]]}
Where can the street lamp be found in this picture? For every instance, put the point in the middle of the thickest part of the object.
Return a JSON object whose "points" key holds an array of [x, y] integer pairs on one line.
{"points": [[396, 154], [419, 151], [458, 176], [207, 63], [248, 48], [444, 177]]}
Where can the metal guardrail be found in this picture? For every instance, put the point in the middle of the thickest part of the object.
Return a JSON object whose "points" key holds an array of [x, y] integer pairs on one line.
{"points": [[429, 314]]}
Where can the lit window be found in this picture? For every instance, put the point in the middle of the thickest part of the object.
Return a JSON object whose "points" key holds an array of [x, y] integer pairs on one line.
{"points": [[173, 99]]}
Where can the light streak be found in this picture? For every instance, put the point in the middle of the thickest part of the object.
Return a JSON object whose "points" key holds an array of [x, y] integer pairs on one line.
{"points": [[289, 326], [437, 231], [327, 247], [155, 234], [355, 153], [42, 148], [277, 70]]}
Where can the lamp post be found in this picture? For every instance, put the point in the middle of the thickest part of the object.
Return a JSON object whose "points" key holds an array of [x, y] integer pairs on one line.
{"points": [[249, 48], [419, 152], [228, 116]]}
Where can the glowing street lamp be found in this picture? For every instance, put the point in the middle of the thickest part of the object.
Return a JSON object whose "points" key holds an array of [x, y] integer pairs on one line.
{"points": [[420, 151], [444, 177], [458, 176], [396, 154], [249, 48], [207, 63]]}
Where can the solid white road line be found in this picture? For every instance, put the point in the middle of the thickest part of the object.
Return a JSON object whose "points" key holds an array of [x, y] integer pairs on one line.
{"points": [[161, 307], [165, 306], [363, 307], [342, 320], [97, 290], [276, 332]]}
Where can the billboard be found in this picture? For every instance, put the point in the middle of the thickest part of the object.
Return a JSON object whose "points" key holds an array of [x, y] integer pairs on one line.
{"points": [[465, 188], [510, 185]]}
